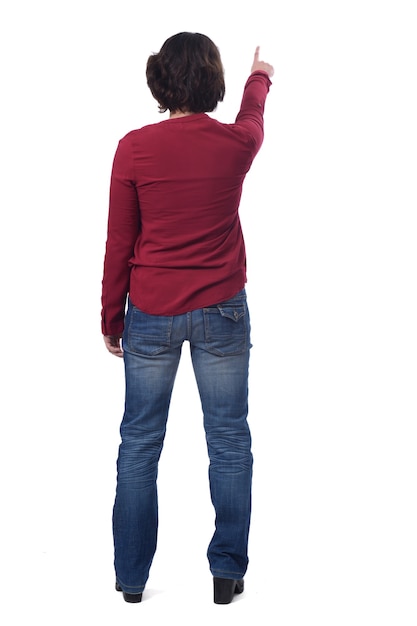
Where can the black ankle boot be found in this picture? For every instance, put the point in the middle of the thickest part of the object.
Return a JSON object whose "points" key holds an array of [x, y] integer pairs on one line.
{"points": [[225, 589], [129, 597]]}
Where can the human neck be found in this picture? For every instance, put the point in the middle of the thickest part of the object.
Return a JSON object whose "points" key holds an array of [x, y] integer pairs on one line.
{"points": [[179, 114]]}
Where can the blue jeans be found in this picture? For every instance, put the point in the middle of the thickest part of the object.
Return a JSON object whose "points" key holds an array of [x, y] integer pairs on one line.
{"points": [[219, 338]]}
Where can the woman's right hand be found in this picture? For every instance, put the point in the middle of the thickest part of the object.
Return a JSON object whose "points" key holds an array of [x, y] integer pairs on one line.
{"points": [[261, 65]]}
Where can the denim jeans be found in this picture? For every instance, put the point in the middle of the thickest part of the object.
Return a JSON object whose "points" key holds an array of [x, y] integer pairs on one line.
{"points": [[219, 338]]}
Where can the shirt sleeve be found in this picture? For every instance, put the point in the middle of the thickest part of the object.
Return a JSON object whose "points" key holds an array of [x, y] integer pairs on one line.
{"points": [[251, 113], [122, 231]]}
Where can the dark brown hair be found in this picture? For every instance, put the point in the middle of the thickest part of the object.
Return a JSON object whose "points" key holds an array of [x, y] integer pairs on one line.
{"points": [[186, 74]]}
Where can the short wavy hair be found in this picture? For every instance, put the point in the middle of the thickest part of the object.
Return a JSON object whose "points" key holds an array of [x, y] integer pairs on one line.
{"points": [[186, 74]]}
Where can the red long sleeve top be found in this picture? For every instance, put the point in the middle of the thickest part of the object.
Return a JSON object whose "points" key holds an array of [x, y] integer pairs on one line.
{"points": [[174, 239]]}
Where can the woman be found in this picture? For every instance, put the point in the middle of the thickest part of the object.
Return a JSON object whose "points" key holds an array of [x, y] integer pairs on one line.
{"points": [[175, 248]]}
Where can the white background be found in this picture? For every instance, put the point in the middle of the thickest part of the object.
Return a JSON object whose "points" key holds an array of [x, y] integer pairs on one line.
{"points": [[328, 214]]}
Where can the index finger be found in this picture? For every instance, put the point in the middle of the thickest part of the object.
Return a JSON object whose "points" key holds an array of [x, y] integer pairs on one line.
{"points": [[256, 55]]}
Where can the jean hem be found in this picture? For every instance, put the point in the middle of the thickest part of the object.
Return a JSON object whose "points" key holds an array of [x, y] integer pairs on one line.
{"points": [[129, 588], [230, 575]]}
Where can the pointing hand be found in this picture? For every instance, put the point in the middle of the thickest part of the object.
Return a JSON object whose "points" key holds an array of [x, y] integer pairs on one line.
{"points": [[261, 65]]}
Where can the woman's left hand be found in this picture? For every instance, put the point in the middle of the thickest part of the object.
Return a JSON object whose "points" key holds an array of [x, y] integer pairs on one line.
{"points": [[113, 344]]}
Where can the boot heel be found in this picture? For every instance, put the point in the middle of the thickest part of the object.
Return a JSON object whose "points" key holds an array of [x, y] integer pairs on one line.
{"points": [[129, 597], [225, 589]]}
